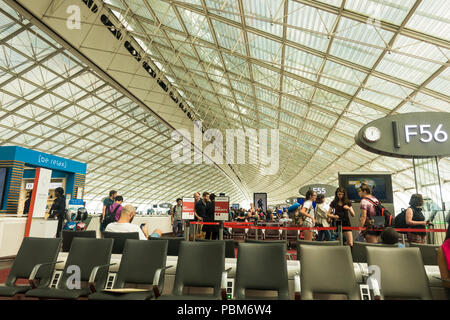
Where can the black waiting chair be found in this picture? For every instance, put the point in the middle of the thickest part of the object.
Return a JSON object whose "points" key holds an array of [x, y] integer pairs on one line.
{"points": [[238, 234], [359, 253], [174, 244], [88, 257], [272, 234], [401, 273], [250, 275], [142, 262], [292, 237], [32, 252], [229, 246], [251, 234], [314, 243], [327, 270], [429, 253], [200, 265], [119, 239], [68, 235]]}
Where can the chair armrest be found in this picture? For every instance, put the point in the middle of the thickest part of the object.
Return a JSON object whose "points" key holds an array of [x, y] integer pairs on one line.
{"points": [[445, 280], [223, 285], [158, 281], [94, 274], [35, 270], [297, 289], [374, 285]]}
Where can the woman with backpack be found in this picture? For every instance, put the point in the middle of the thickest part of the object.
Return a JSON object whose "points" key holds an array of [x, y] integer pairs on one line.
{"points": [[308, 213], [368, 211], [415, 219]]}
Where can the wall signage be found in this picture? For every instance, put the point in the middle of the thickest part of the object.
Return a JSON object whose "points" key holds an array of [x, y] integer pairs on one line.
{"points": [[407, 135], [221, 208], [325, 189]]}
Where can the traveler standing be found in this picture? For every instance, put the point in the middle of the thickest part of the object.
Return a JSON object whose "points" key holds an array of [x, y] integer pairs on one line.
{"points": [[200, 208], [107, 202], [322, 219], [26, 206], [342, 206], [415, 219], [308, 213], [58, 209], [368, 211], [116, 207], [177, 222], [212, 231]]}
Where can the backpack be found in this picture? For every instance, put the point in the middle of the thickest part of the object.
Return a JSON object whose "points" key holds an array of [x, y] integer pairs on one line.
{"points": [[400, 220], [110, 216], [383, 217]]}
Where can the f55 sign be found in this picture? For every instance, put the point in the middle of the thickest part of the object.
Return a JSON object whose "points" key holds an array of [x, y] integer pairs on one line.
{"points": [[325, 189], [408, 135]]}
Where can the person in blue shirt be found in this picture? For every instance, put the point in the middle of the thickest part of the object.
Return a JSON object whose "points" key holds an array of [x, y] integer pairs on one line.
{"points": [[391, 236]]}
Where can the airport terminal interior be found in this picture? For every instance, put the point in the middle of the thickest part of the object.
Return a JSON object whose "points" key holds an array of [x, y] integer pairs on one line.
{"points": [[310, 137]]}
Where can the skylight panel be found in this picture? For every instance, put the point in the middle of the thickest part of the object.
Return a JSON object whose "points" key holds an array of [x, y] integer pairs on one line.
{"points": [[165, 14], [407, 68], [363, 33], [297, 88], [293, 106], [229, 37], [264, 49], [351, 51], [266, 16], [431, 17], [226, 8], [441, 83], [301, 63], [390, 11]]}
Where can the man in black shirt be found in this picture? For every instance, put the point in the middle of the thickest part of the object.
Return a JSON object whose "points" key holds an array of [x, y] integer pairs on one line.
{"points": [[212, 232], [26, 207]]}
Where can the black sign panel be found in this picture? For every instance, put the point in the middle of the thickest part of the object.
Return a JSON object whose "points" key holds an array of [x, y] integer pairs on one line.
{"points": [[325, 189], [418, 134]]}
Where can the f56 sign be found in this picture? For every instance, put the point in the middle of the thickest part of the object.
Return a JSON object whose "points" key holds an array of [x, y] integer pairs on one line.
{"points": [[418, 134]]}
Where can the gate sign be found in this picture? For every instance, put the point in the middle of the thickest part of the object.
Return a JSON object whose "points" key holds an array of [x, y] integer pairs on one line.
{"points": [[408, 135], [221, 208], [325, 189], [188, 209]]}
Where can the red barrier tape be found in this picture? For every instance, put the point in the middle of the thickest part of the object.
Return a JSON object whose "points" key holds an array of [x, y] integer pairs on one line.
{"points": [[247, 225]]}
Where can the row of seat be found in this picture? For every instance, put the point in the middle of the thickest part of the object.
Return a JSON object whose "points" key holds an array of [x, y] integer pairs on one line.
{"points": [[200, 264], [324, 269], [272, 234], [428, 252]]}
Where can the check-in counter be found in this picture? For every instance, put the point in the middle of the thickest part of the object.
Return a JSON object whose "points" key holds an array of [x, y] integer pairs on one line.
{"points": [[12, 232]]}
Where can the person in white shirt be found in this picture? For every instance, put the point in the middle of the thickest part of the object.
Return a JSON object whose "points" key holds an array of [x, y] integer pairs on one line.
{"points": [[308, 213], [124, 223], [322, 218]]}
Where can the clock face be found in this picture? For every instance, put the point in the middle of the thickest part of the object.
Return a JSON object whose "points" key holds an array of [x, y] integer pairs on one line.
{"points": [[372, 134]]}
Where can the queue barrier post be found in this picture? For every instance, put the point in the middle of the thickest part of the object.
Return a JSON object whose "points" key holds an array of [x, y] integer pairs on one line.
{"points": [[341, 237], [195, 231], [187, 228], [220, 230]]}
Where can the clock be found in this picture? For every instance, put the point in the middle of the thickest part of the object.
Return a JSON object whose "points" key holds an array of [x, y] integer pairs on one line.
{"points": [[372, 134]]}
